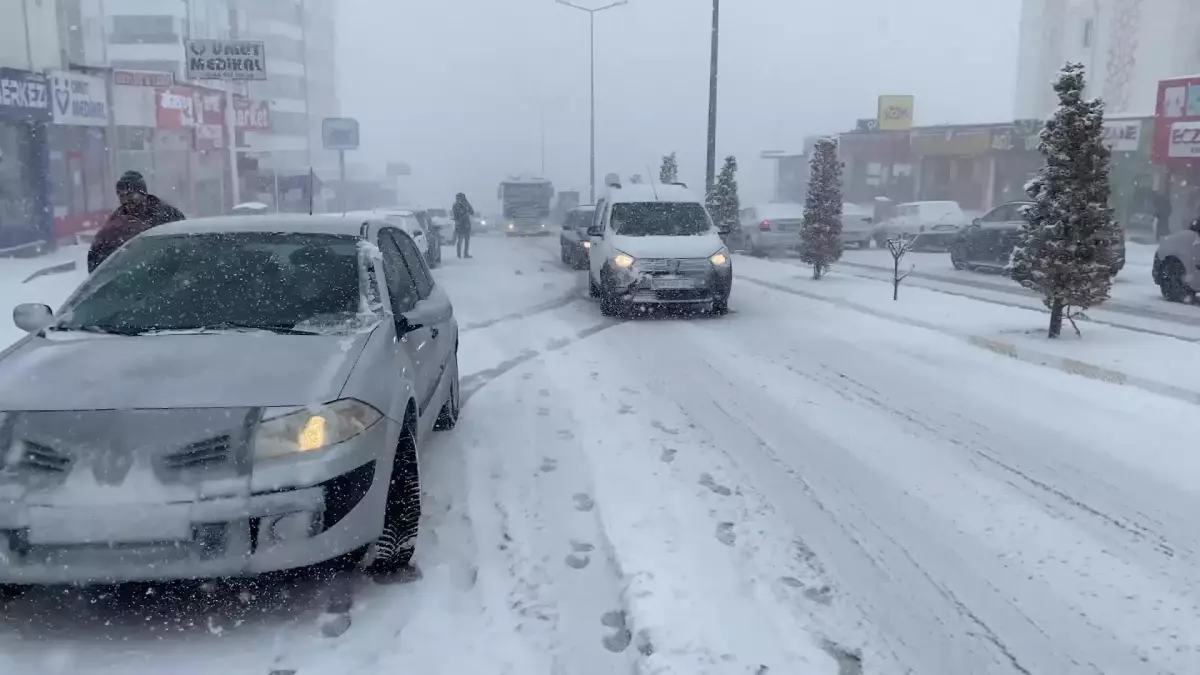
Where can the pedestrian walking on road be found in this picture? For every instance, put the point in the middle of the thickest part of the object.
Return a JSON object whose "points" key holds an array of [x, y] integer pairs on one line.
{"points": [[462, 213], [139, 211]]}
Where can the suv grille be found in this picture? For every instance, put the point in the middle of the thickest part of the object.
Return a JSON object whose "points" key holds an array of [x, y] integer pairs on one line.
{"points": [[201, 454], [44, 458], [667, 265]]}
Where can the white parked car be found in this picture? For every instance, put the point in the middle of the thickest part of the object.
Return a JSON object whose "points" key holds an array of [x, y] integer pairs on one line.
{"points": [[1175, 264], [656, 245], [913, 218], [402, 218], [857, 224]]}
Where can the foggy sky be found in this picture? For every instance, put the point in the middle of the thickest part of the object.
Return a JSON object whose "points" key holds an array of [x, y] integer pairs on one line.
{"points": [[458, 88]]}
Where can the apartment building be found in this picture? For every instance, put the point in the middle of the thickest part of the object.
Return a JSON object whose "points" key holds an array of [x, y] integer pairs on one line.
{"points": [[1126, 45]]}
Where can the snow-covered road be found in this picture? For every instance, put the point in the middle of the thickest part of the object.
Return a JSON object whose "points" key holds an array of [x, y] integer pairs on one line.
{"points": [[793, 488]]}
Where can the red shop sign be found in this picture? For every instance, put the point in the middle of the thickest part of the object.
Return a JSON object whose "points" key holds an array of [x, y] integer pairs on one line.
{"points": [[1177, 121], [176, 108], [251, 115]]}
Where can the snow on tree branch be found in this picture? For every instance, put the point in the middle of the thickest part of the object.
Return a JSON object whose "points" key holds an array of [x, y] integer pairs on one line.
{"points": [[821, 235]]}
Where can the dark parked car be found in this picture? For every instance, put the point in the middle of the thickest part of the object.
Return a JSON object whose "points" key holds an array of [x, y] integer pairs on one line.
{"points": [[988, 242], [574, 240], [226, 397]]}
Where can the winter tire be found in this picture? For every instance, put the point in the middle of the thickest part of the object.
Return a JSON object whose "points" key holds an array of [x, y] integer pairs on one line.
{"points": [[609, 305], [402, 513], [880, 241], [593, 289], [720, 306], [1173, 288], [448, 417]]}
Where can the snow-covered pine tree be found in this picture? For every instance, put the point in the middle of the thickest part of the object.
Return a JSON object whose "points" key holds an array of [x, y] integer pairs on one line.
{"points": [[821, 235], [1067, 247], [669, 173], [723, 203]]}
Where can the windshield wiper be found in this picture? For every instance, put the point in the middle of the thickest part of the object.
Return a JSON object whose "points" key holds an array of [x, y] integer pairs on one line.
{"points": [[281, 329], [105, 330]]}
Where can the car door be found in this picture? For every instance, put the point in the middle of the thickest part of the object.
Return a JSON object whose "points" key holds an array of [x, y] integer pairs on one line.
{"points": [[404, 295], [434, 310], [599, 251]]}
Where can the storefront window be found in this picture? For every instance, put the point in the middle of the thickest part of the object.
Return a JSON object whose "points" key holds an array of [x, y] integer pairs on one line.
{"points": [[16, 206]]}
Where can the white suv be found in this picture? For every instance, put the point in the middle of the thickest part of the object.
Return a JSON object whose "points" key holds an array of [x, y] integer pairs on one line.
{"points": [[655, 244]]}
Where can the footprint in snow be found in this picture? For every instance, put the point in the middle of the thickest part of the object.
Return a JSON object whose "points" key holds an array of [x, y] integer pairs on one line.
{"points": [[584, 502], [543, 412], [549, 464], [336, 625], [627, 390], [282, 672], [707, 481], [581, 546], [644, 645], [668, 455], [664, 428], [565, 434], [577, 561], [625, 409], [543, 392], [791, 581], [725, 534], [527, 376], [618, 641], [822, 595]]}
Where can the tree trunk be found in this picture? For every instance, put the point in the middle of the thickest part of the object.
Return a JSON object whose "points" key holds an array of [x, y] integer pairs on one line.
{"points": [[1056, 319], [816, 270]]}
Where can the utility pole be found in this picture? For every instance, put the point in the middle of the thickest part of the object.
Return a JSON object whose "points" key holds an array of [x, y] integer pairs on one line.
{"points": [[592, 49], [710, 172]]}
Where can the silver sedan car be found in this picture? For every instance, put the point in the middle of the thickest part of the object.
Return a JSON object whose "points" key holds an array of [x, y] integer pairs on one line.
{"points": [[223, 398]]}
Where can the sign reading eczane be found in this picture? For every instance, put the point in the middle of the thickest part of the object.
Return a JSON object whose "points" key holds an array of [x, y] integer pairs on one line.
{"points": [[226, 59]]}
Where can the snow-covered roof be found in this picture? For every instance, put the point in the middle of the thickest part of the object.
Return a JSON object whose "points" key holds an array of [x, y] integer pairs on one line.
{"points": [[651, 193], [349, 224]]}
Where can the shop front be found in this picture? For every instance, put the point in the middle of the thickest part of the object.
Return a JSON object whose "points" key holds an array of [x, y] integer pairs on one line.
{"points": [[191, 162], [81, 193], [1015, 160], [956, 163], [1135, 181], [25, 218], [1176, 148], [877, 164]]}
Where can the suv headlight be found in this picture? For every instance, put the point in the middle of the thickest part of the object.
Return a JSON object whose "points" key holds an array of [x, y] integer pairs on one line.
{"points": [[720, 258], [284, 432], [623, 260]]}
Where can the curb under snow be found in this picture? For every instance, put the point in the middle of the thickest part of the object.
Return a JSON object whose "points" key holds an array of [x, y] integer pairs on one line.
{"points": [[1024, 354]]}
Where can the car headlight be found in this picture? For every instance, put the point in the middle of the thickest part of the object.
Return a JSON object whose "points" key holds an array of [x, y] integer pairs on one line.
{"points": [[483, 222], [623, 260], [285, 432], [720, 258], [587, 244], [512, 226]]}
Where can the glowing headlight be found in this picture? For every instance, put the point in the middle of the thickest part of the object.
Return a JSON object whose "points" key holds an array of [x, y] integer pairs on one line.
{"points": [[291, 431], [483, 222], [719, 258], [512, 226], [623, 261], [587, 244]]}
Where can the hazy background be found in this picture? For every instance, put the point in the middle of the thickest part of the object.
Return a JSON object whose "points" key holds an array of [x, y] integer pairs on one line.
{"points": [[458, 88]]}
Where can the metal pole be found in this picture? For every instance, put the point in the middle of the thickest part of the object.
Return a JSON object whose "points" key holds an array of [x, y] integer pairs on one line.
{"points": [[711, 170], [543, 130], [28, 40], [342, 180], [592, 51]]}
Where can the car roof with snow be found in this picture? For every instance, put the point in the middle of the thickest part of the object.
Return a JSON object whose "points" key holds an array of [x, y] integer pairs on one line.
{"points": [[349, 224], [631, 194]]}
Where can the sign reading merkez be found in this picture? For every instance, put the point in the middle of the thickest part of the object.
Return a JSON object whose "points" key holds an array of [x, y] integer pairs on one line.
{"points": [[339, 133], [24, 96], [226, 59]]}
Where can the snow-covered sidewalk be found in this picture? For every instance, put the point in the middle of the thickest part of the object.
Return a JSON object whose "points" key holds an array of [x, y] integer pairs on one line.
{"points": [[46, 279], [1157, 363]]}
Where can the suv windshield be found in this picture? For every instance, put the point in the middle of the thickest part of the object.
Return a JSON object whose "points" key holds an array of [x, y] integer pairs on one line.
{"points": [[273, 281], [668, 219]]}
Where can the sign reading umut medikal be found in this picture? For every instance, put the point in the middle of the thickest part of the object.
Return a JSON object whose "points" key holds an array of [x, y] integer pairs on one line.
{"points": [[226, 59]]}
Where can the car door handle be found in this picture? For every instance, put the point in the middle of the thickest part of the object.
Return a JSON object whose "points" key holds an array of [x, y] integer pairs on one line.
{"points": [[434, 332]]}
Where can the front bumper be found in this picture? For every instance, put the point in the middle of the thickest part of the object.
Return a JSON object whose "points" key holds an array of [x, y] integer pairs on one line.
{"points": [[643, 284], [289, 514]]}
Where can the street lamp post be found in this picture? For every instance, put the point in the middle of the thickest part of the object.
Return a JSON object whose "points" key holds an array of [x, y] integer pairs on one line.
{"points": [[710, 173], [592, 48]]}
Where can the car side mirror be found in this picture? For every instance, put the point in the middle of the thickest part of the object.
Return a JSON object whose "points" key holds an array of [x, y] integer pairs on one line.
{"points": [[595, 231], [868, 220], [427, 312], [33, 317], [724, 230], [977, 223]]}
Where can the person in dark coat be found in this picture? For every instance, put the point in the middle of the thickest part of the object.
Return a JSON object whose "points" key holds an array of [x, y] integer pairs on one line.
{"points": [[138, 212], [1162, 215], [462, 213]]}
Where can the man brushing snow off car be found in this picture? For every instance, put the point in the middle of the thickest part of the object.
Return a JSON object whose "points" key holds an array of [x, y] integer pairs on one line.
{"points": [[139, 211]]}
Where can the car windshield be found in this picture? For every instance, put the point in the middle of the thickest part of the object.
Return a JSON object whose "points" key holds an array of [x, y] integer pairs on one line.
{"points": [[667, 219], [273, 281]]}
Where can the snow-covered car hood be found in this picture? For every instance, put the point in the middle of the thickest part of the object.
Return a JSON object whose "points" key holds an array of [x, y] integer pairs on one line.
{"points": [[226, 370], [696, 246]]}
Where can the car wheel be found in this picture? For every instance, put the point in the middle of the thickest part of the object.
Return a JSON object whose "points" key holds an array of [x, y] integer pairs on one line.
{"points": [[1172, 286], [402, 513], [881, 240], [593, 289], [720, 306], [562, 255], [448, 417], [864, 244], [609, 305]]}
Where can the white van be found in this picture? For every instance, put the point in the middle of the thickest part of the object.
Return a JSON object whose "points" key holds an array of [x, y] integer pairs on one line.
{"points": [[655, 244]]}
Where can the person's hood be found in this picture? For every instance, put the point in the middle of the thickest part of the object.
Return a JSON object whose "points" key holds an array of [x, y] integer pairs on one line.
{"points": [[82, 371], [692, 246]]}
